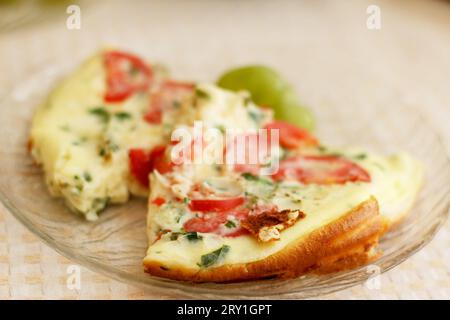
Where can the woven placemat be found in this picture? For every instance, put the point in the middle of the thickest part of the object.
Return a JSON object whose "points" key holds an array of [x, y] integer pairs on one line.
{"points": [[410, 54]]}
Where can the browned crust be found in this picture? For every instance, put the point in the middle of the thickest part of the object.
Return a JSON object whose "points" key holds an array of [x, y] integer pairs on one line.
{"points": [[255, 223], [348, 242]]}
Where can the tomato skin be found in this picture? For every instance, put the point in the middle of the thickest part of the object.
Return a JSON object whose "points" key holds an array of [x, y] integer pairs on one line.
{"points": [[207, 224], [159, 201], [158, 160], [322, 169], [125, 74], [140, 167], [212, 222], [291, 136], [215, 205], [169, 93], [143, 162], [154, 115]]}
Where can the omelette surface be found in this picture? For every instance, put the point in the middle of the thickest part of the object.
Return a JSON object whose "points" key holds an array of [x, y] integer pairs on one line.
{"points": [[107, 132]]}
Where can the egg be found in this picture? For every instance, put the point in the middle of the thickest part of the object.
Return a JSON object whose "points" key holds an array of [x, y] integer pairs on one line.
{"points": [[82, 142]]}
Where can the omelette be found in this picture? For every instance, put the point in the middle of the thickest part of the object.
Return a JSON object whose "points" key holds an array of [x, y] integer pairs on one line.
{"points": [[259, 198], [323, 209]]}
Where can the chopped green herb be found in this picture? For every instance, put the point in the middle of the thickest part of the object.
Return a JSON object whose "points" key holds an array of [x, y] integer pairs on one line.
{"points": [[193, 236], [101, 113], [230, 224], [201, 93], [79, 141], [176, 104], [133, 70], [99, 203], [221, 128], [335, 154], [250, 177], [360, 156], [87, 176], [251, 199], [186, 200], [255, 116], [107, 148], [174, 236], [247, 100], [122, 116], [65, 128], [211, 258]]}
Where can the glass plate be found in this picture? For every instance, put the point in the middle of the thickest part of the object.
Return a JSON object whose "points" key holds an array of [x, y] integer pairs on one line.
{"points": [[116, 243]]}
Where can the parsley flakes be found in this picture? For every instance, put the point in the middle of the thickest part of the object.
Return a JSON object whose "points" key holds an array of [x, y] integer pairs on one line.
{"points": [[212, 258]]}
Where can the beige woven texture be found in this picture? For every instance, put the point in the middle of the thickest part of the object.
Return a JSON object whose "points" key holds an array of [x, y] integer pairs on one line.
{"points": [[410, 55]]}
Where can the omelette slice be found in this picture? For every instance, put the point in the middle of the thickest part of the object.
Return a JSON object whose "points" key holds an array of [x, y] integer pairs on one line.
{"points": [[321, 210], [84, 132]]}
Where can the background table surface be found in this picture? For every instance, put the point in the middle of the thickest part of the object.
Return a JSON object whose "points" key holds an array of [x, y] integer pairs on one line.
{"points": [[410, 56]]}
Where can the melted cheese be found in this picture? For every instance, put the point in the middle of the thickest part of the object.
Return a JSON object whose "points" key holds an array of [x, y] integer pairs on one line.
{"points": [[395, 182], [69, 140]]}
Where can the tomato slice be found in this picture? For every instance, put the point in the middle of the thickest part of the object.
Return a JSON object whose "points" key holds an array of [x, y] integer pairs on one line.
{"points": [[323, 169], [209, 223], [154, 114], [125, 74], [215, 222], [170, 94], [215, 205], [142, 162], [292, 137]]}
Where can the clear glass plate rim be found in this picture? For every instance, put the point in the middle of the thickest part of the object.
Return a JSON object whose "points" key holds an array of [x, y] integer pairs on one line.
{"points": [[187, 289]]}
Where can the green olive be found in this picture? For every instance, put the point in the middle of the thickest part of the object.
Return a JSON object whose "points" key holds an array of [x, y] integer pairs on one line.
{"points": [[269, 89]]}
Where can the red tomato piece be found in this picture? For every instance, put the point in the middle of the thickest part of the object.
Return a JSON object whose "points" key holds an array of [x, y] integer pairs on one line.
{"points": [[142, 162], [214, 222], [209, 223], [292, 137], [125, 74], [140, 165], [154, 115], [169, 95], [215, 205], [159, 201], [325, 169], [158, 160]]}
